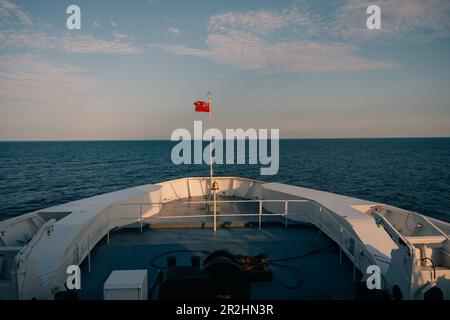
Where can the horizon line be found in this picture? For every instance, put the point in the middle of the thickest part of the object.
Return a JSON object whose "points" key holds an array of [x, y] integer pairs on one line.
{"points": [[155, 139]]}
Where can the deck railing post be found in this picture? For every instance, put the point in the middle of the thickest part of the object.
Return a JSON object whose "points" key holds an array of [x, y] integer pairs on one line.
{"points": [[140, 215], [108, 224], [89, 252], [320, 221], [340, 248], [354, 261], [285, 213], [215, 211], [260, 214]]}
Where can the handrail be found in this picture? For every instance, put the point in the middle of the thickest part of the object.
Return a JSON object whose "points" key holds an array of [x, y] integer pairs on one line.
{"points": [[286, 201], [69, 253], [357, 241], [84, 239], [142, 203], [319, 221], [249, 201], [326, 211]]}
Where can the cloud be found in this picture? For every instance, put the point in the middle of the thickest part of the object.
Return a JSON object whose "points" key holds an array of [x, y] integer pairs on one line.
{"points": [[113, 23], [257, 22], [41, 99], [412, 20], [250, 52], [26, 36], [26, 79], [415, 20], [97, 24], [12, 13], [34, 40], [299, 39], [257, 40], [120, 35], [90, 44], [173, 31], [68, 42]]}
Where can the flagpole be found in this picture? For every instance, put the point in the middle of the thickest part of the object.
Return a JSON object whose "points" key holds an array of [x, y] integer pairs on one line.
{"points": [[212, 185], [210, 142]]}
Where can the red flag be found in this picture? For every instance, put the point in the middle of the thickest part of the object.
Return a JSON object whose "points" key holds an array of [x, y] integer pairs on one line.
{"points": [[201, 106]]}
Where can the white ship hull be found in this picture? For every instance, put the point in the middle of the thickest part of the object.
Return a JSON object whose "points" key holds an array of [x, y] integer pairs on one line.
{"points": [[411, 250]]}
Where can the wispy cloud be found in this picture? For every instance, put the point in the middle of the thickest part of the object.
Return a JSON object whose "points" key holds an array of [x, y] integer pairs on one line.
{"points": [[12, 13], [245, 51], [251, 40], [298, 39], [174, 31], [97, 23], [90, 44], [44, 82], [415, 20], [113, 23], [258, 22], [69, 42], [24, 35]]}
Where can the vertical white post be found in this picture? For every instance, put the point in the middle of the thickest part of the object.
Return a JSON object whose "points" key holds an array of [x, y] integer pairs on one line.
{"points": [[340, 248], [89, 252], [260, 213], [210, 142], [211, 171], [140, 215], [109, 226], [354, 261], [320, 221], [215, 217], [285, 212]]}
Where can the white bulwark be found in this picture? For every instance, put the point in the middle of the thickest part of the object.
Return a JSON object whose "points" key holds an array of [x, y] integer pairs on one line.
{"points": [[412, 250]]}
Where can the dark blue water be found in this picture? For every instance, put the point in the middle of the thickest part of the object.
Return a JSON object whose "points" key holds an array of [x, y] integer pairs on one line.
{"points": [[410, 173]]}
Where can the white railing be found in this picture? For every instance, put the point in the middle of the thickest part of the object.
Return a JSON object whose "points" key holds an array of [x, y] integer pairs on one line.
{"points": [[259, 214], [140, 219], [345, 234], [348, 242], [81, 249], [76, 254]]}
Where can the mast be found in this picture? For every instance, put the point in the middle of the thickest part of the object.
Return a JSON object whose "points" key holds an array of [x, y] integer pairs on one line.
{"points": [[210, 142], [213, 185]]}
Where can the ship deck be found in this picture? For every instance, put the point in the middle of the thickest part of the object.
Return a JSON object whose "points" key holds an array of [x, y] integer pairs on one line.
{"points": [[316, 273]]}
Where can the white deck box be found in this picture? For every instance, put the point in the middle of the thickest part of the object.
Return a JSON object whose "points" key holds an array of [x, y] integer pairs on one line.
{"points": [[126, 285]]}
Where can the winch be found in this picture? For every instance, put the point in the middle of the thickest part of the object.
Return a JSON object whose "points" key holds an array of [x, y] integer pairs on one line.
{"points": [[222, 275]]}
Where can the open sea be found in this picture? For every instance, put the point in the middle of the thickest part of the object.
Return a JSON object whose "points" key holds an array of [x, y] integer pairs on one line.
{"points": [[411, 173]]}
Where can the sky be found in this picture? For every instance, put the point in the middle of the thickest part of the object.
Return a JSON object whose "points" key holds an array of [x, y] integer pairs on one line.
{"points": [[311, 69]]}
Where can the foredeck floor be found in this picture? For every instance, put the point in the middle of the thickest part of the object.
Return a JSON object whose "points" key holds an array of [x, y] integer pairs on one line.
{"points": [[321, 275]]}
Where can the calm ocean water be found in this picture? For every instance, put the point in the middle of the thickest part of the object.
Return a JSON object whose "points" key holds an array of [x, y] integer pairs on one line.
{"points": [[410, 173]]}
